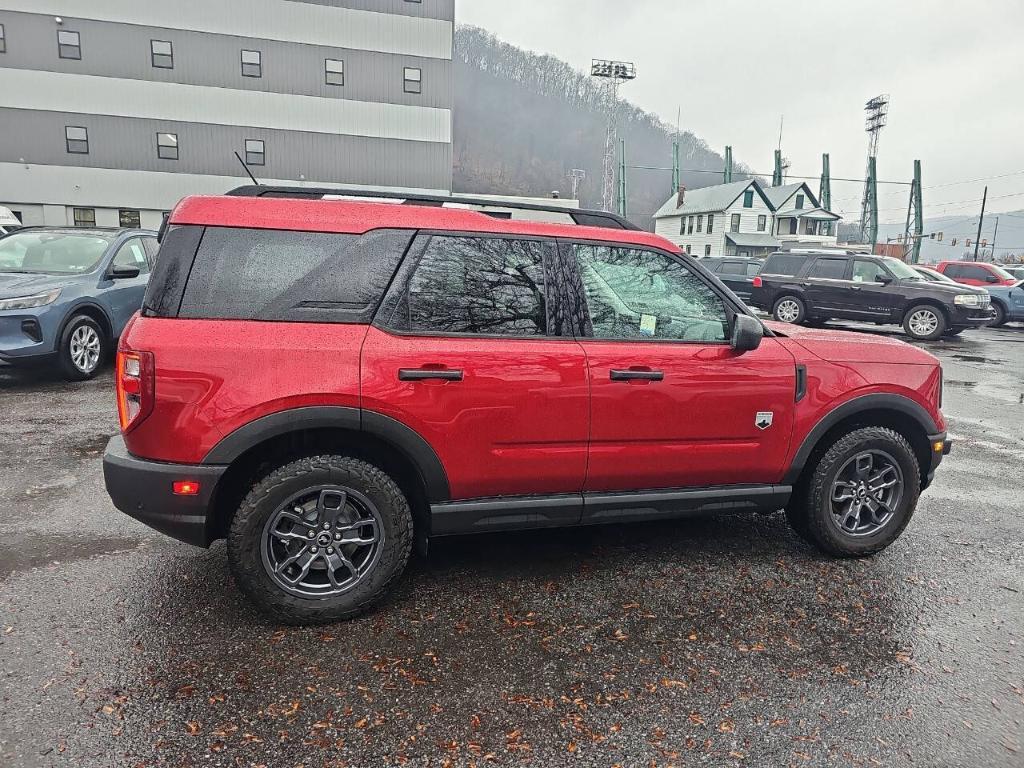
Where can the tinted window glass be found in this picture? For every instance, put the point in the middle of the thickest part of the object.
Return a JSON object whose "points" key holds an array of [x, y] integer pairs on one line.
{"points": [[953, 270], [783, 265], [753, 268], [475, 285], [262, 274], [867, 272], [639, 294], [833, 269], [973, 273], [734, 268]]}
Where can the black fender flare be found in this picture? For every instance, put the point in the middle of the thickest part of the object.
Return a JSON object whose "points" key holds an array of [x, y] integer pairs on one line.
{"points": [[397, 435], [852, 407]]}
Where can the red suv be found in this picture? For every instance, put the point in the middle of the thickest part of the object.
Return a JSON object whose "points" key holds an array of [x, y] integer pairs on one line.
{"points": [[324, 382], [976, 273]]}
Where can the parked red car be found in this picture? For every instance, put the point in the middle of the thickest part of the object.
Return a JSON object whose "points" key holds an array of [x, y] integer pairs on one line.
{"points": [[323, 382], [976, 273]]}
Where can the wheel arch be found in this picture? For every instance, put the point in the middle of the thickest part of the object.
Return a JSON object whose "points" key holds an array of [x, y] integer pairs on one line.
{"points": [[895, 412], [933, 303], [1003, 306], [253, 449], [91, 310]]}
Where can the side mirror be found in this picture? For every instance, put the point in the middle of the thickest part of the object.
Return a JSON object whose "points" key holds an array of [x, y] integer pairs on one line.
{"points": [[885, 279], [747, 333], [122, 272]]}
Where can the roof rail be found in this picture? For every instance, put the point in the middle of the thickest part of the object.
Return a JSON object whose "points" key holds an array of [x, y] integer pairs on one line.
{"points": [[580, 216]]}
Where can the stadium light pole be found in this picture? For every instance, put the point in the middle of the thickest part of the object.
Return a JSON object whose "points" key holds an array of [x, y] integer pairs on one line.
{"points": [[614, 74]]}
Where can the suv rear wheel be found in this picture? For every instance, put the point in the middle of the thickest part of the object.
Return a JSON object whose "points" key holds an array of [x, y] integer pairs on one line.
{"points": [[789, 309], [860, 496], [924, 322], [320, 539]]}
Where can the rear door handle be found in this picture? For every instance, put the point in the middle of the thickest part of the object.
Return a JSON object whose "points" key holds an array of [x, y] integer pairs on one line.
{"points": [[430, 374], [634, 375]]}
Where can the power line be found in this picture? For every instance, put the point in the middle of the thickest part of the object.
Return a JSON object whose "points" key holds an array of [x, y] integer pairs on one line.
{"points": [[974, 181]]}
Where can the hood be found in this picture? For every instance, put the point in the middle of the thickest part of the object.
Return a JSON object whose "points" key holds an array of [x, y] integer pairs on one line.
{"points": [[946, 288], [15, 284], [850, 347]]}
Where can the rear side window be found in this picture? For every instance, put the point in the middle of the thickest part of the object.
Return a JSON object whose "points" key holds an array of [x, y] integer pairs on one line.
{"points": [[753, 268], [829, 269], [274, 275], [473, 285], [970, 272], [783, 265], [733, 268]]}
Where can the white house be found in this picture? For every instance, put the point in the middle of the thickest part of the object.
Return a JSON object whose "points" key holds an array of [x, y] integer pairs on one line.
{"points": [[799, 217], [744, 219], [723, 220]]}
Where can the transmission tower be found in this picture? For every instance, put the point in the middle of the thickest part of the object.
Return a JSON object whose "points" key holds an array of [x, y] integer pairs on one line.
{"points": [[914, 230], [614, 73], [876, 116]]}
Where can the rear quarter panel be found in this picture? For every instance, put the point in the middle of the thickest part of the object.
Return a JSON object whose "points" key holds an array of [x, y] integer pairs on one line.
{"points": [[214, 376]]}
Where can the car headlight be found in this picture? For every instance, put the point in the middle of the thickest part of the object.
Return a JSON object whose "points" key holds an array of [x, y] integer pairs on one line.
{"points": [[967, 300], [30, 302]]}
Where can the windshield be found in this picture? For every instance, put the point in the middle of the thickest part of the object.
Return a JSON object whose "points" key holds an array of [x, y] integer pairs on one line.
{"points": [[52, 253], [937, 277], [900, 270]]}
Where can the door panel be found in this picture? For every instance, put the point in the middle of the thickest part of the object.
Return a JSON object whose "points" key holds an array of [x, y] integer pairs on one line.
{"points": [[827, 286], [672, 405], [869, 297], [466, 351], [124, 296]]}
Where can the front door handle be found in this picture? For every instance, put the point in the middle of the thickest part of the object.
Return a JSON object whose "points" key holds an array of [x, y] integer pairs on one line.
{"points": [[636, 375], [430, 374]]}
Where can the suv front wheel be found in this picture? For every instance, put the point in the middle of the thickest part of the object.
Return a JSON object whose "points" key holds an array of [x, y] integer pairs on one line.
{"points": [[924, 323], [83, 348], [320, 539], [860, 496], [789, 309]]}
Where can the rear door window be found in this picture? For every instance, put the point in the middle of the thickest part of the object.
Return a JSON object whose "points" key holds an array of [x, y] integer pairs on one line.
{"points": [[733, 268], [753, 268], [276, 275], [478, 286], [829, 269], [783, 265]]}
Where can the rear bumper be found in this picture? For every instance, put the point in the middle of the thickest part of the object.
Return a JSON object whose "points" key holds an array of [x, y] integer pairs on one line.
{"points": [[939, 446], [143, 490]]}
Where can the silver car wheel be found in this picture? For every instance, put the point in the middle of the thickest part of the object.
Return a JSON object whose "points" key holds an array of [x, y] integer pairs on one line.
{"points": [[85, 348]]}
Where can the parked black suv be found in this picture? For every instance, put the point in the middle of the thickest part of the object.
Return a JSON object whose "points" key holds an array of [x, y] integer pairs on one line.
{"points": [[736, 272], [815, 286]]}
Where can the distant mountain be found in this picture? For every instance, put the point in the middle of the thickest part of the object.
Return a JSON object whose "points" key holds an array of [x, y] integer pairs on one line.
{"points": [[523, 121]]}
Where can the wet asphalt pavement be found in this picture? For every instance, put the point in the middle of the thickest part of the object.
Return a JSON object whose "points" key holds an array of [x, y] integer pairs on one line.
{"points": [[716, 641]]}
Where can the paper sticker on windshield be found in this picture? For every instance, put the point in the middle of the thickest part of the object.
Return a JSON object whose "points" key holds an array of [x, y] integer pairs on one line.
{"points": [[648, 325]]}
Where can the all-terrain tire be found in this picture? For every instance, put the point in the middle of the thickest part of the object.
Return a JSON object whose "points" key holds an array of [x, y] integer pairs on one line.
{"points": [[245, 538], [809, 511]]}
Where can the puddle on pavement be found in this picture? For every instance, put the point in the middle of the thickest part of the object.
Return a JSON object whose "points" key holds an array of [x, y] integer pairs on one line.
{"points": [[42, 551], [90, 447], [976, 359], [956, 383]]}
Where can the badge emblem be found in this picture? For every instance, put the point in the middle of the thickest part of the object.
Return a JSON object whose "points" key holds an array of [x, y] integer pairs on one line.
{"points": [[763, 420]]}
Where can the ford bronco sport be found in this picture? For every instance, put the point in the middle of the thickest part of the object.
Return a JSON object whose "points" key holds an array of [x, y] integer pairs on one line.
{"points": [[325, 382]]}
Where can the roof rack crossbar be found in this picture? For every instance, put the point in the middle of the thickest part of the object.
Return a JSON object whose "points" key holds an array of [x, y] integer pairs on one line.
{"points": [[580, 216]]}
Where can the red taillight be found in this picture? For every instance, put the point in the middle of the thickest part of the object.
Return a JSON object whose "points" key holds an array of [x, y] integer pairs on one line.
{"points": [[185, 488], [758, 282], [134, 379]]}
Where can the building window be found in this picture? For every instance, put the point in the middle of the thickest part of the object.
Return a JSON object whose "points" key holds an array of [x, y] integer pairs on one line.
{"points": [[689, 250], [252, 64], [762, 222], [689, 226], [85, 217], [255, 154], [700, 224], [799, 202], [3, 40], [792, 226], [707, 250], [748, 199], [76, 139], [167, 146], [682, 226], [129, 219], [334, 72], [162, 54], [413, 80], [734, 224], [69, 44], [711, 223]]}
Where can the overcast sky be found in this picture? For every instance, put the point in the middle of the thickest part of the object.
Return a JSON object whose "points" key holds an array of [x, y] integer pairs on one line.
{"points": [[953, 69]]}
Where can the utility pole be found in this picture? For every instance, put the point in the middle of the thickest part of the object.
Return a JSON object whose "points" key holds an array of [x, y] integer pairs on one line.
{"points": [[577, 175], [727, 173], [825, 190], [614, 73], [984, 199], [994, 234], [915, 216], [777, 176], [675, 167], [622, 178]]}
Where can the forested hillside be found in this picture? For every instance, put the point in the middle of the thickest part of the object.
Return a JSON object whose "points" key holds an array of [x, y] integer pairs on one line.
{"points": [[523, 121]]}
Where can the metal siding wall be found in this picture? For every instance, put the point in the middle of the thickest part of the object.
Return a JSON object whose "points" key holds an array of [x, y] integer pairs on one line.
{"points": [[123, 51], [37, 138], [430, 9]]}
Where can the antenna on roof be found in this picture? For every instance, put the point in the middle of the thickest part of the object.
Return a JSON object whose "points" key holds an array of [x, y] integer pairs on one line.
{"points": [[247, 169]]}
